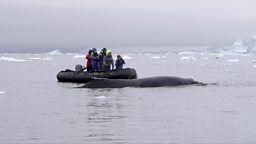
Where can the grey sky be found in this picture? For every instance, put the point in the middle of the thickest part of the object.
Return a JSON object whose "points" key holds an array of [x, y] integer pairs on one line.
{"points": [[67, 24]]}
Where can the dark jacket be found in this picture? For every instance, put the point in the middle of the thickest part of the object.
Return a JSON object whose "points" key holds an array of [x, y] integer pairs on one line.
{"points": [[119, 63]]}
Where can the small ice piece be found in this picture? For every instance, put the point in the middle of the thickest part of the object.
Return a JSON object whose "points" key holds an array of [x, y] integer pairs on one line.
{"points": [[188, 58], [127, 57], [155, 57], [158, 57], [219, 55], [254, 66], [232, 60], [186, 53], [2, 92], [100, 97], [9, 59], [79, 56]]}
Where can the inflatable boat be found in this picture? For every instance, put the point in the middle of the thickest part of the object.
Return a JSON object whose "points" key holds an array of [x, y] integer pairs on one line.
{"points": [[80, 76]]}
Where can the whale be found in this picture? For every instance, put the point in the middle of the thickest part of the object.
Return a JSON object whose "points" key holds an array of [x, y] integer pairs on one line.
{"points": [[160, 81]]}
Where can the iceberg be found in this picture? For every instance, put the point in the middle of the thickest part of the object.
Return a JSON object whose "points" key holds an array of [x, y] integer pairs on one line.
{"points": [[54, 52], [253, 45], [239, 47]]}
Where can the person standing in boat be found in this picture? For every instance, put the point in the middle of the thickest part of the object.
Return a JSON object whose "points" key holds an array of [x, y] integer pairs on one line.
{"points": [[89, 61], [108, 61], [95, 59], [119, 62], [101, 56]]}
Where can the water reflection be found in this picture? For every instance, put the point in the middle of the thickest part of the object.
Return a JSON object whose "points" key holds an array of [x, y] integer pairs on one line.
{"points": [[105, 115]]}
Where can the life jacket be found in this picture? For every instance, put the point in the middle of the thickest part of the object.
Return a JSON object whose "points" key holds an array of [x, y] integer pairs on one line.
{"points": [[101, 56]]}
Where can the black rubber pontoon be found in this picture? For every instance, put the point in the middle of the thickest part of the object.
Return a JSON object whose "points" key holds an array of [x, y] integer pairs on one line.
{"points": [[84, 77]]}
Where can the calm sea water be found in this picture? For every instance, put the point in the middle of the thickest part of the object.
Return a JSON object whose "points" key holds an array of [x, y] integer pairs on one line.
{"points": [[35, 108]]}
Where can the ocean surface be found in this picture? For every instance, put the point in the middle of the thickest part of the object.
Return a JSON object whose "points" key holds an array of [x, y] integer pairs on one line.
{"points": [[35, 108]]}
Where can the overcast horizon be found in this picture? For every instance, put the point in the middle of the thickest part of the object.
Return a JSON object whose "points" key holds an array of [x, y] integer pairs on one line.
{"points": [[36, 25]]}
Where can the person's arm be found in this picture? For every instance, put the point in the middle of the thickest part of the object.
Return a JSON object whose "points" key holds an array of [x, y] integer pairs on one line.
{"points": [[88, 57]]}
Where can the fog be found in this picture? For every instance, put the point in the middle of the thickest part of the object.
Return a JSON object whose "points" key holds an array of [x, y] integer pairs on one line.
{"points": [[42, 25]]}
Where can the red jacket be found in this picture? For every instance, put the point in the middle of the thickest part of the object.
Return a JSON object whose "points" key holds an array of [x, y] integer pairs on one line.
{"points": [[89, 61]]}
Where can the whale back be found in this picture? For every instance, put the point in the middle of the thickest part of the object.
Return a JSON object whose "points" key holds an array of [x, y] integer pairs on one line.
{"points": [[165, 81], [143, 82]]}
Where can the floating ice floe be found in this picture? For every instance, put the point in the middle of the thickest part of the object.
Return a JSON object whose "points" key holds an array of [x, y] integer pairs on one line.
{"points": [[79, 56], [2, 92], [55, 52], [35, 58], [188, 58], [126, 57], [158, 57], [186, 53], [233, 60], [47, 59], [9, 59]]}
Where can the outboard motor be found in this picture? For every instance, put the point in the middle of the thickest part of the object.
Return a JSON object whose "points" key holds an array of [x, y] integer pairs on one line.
{"points": [[79, 68]]}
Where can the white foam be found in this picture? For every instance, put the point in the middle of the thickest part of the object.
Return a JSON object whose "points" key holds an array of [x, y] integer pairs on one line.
{"points": [[188, 58], [9, 59], [186, 53], [126, 57], [55, 52], [233, 60], [2, 92], [158, 57], [79, 56]]}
